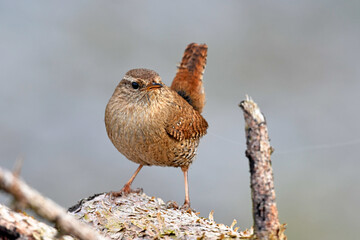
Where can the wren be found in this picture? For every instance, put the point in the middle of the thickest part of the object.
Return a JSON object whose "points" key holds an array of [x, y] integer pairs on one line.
{"points": [[152, 124]]}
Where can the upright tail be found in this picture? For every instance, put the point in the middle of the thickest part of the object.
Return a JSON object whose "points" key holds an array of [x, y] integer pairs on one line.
{"points": [[188, 80]]}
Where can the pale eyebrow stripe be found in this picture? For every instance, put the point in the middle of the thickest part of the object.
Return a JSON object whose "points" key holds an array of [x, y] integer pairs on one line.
{"points": [[129, 78]]}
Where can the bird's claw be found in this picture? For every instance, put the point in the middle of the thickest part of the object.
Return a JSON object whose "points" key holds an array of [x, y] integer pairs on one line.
{"points": [[186, 207], [124, 191]]}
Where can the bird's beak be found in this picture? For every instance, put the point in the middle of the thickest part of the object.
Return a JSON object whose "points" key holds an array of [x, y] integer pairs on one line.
{"points": [[153, 85]]}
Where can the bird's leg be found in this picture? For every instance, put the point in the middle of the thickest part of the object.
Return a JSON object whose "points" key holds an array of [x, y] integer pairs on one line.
{"points": [[187, 198], [126, 189]]}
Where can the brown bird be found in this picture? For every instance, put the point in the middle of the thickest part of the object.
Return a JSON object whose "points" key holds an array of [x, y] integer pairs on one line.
{"points": [[152, 124]]}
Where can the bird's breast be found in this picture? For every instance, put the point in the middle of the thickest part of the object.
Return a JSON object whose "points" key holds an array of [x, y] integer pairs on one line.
{"points": [[138, 133]]}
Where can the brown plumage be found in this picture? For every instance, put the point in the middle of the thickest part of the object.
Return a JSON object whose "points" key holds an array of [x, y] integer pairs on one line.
{"points": [[151, 124], [188, 80]]}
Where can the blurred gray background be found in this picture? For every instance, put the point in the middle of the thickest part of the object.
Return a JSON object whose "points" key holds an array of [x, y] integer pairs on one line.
{"points": [[299, 60]]}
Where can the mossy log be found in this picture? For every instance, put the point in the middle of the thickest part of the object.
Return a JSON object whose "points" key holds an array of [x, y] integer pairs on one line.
{"points": [[140, 216]]}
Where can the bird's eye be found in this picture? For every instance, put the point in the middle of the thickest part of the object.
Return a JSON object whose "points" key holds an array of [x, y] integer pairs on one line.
{"points": [[135, 85]]}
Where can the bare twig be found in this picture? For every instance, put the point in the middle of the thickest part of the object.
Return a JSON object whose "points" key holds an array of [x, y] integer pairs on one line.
{"points": [[17, 225], [265, 213], [45, 207]]}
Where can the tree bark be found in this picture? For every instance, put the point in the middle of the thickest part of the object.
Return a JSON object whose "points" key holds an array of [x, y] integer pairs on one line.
{"points": [[265, 213]]}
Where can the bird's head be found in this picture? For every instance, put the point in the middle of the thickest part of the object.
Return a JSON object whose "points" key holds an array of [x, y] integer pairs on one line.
{"points": [[140, 85]]}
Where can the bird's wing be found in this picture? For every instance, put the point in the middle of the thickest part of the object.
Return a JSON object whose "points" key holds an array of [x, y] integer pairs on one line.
{"points": [[185, 122], [188, 80]]}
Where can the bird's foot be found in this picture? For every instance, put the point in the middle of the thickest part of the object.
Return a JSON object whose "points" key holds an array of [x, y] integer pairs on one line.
{"points": [[172, 205], [186, 207], [125, 191]]}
